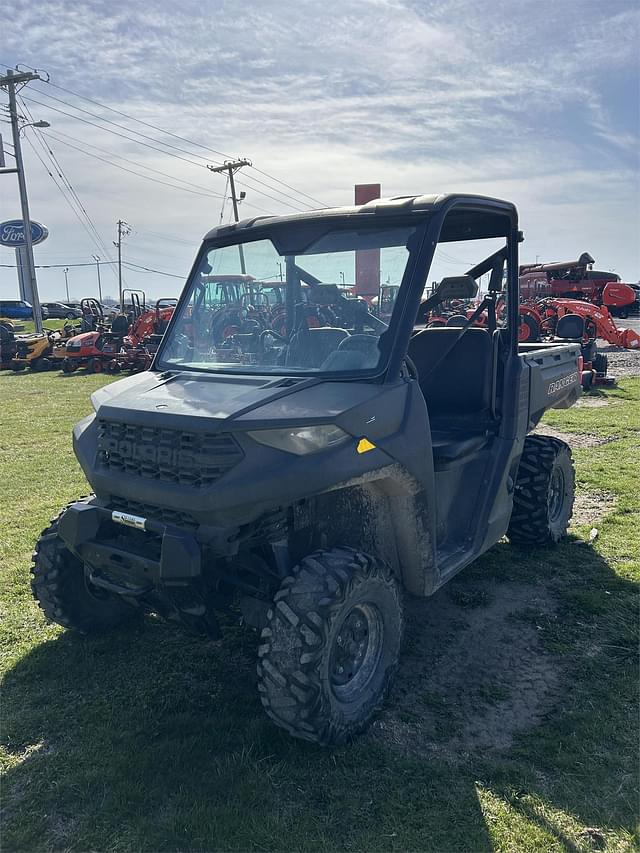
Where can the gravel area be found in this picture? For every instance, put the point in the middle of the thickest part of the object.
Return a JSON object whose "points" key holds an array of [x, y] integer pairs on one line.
{"points": [[622, 362]]}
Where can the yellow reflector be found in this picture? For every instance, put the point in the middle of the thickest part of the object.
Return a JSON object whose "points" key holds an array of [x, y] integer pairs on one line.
{"points": [[364, 445]]}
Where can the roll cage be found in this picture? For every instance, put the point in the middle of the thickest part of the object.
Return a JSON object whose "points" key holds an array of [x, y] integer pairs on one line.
{"points": [[444, 219]]}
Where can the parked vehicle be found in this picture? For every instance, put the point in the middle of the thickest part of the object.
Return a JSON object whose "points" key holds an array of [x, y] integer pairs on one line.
{"points": [[60, 311], [312, 474], [17, 309]]}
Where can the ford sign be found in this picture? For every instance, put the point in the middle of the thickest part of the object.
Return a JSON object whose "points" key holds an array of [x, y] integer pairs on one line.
{"points": [[12, 233]]}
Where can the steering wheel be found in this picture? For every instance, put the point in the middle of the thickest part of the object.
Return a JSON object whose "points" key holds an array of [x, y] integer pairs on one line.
{"points": [[272, 334]]}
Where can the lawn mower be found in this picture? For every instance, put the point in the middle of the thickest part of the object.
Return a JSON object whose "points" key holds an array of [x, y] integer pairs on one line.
{"points": [[97, 347], [42, 351], [7, 344]]}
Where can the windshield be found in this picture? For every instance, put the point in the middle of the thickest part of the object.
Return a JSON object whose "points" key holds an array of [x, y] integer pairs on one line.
{"points": [[253, 308]]}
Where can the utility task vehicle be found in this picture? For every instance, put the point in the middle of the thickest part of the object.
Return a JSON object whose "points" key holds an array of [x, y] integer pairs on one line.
{"points": [[313, 474]]}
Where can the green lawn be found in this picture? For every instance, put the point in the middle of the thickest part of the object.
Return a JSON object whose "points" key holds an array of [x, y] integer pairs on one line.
{"points": [[150, 739], [28, 326]]}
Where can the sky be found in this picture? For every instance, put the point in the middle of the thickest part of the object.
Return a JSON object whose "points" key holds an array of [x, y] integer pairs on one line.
{"points": [[536, 101]]}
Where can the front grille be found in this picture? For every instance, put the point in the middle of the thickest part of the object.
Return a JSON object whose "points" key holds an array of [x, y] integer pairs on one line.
{"points": [[172, 456], [156, 513]]}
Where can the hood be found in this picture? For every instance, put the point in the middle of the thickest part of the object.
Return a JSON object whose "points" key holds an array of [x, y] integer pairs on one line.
{"points": [[83, 339], [242, 403]]}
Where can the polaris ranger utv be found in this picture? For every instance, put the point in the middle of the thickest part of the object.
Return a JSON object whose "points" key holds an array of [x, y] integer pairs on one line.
{"points": [[311, 475]]}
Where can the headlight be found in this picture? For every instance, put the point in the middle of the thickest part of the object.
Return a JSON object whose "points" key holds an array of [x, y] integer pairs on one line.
{"points": [[302, 440]]}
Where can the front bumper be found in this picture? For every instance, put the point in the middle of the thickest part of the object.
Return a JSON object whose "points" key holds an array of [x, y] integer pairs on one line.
{"points": [[158, 555]]}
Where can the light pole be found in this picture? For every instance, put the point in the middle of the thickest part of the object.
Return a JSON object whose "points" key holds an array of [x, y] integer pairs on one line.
{"points": [[96, 258], [66, 281], [280, 268], [9, 81], [342, 277]]}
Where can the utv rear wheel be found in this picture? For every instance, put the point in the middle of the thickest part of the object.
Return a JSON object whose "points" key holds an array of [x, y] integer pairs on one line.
{"points": [[331, 646], [544, 492], [59, 586]]}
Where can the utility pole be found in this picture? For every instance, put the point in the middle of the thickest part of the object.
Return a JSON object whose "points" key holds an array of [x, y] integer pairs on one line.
{"points": [[66, 281], [96, 258], [231, 167], [9, 82], [123, 230]]}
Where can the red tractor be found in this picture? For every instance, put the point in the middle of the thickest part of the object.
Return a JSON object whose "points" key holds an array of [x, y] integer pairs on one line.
{"points": [[142, 341], [538, 319], [578, 280]]}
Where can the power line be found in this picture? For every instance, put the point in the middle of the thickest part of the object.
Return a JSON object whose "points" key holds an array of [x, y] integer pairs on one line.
{"points": [[153, 147], [102, 264], [96, 239], [133, 162], [203, 193], [60, 188], [285, 184], [122, 135], [60, 266], [163, 236], [148, 269], [181, 138]]}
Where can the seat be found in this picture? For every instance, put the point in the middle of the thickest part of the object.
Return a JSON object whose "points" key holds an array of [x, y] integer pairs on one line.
{"points": [[119, 326], [311, 347], [460, 387]]}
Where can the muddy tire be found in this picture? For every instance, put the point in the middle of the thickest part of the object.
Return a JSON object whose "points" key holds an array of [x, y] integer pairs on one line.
{"points": [[331, 645], [544, 492], [58, 585]]}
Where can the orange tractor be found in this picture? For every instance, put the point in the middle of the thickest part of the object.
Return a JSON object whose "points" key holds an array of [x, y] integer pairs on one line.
{"points": [[144, 336], [578, 280]]}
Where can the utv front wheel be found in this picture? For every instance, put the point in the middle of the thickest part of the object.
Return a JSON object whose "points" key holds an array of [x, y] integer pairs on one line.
{"points": [[544, 492], [331, 645], [58, 584]]}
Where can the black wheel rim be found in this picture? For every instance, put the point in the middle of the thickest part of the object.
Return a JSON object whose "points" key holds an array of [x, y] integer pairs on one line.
{"points": [[556, 493], [355, 652]]}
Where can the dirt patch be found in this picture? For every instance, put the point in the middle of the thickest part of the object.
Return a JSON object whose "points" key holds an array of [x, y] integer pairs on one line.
{"points": [[473, 674], [590, 507], [587, 402], [574, 439]]}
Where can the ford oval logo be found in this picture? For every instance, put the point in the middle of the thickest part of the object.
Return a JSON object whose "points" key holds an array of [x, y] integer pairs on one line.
{"points": [[12, 233]]}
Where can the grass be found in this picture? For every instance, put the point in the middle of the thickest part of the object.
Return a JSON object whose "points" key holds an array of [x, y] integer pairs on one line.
{"points": [[28, 326], [153, 740]]}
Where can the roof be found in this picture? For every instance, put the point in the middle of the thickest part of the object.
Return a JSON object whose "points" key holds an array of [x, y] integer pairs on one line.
{"points": [[400, 206]]}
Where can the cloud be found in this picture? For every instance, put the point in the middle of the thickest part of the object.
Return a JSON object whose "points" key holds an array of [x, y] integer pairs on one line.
{"points": [[511, 99]]}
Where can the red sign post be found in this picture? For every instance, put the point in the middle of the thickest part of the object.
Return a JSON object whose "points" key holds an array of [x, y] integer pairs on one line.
{"points": [[367, 261]]}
